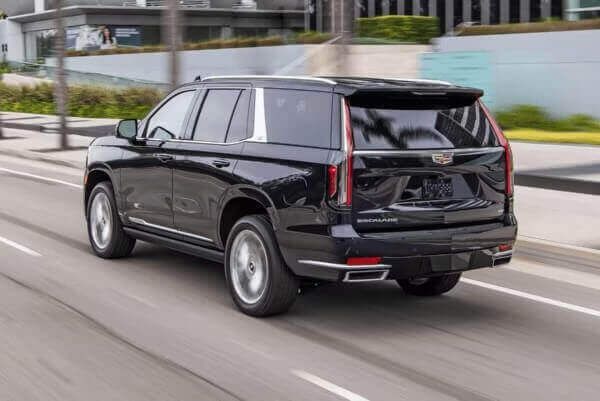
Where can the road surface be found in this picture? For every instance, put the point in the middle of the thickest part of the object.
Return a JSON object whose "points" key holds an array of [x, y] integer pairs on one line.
{"points": [[160, 325]]}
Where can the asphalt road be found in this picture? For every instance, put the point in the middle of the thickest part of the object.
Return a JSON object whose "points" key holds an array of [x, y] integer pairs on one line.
{"points": [[160, 325]]}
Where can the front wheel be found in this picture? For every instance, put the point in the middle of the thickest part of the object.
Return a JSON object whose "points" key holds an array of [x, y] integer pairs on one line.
{"points": [[258, 279], [430, 286], [107, 237]]}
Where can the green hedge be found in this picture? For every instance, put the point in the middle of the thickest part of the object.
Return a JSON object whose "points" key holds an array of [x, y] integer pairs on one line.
{"points": [[528, 116], [84, 101], [546, 26], [402, 28]]}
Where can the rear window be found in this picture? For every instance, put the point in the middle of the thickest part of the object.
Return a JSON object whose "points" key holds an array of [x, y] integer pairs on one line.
{"points": [[402, 129], [298, 117]]}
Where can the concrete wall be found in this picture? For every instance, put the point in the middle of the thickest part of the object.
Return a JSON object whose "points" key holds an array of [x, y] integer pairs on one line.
{"points": [[369, 60], [559, 71], [17, 7], [154, 66]]}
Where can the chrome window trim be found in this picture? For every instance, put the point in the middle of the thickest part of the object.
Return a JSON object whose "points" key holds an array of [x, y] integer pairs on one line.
{"points": [[343, 266], [427, 151], [273, 77], [259, 133], [143, 222]]}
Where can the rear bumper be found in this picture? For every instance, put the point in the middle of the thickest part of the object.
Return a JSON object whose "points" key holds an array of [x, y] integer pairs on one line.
{"points": [[404, 254], [406, 267]]}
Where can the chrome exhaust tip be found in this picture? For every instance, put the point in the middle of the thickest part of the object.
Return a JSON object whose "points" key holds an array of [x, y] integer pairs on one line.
{"points": [[362, 276]]}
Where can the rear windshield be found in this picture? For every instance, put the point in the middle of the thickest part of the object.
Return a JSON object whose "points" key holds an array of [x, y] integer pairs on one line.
{"points": [[402, 129]]}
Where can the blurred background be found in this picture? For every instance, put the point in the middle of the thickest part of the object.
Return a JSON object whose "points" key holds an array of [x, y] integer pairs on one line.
{"points": [[164, 329]]}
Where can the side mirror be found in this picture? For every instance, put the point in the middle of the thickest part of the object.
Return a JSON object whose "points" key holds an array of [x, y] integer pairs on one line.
{"points": [[127, 129]]}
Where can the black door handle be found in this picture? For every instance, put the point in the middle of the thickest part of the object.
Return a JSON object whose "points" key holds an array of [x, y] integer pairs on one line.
{"points": [[163, 157], [220, 163]]}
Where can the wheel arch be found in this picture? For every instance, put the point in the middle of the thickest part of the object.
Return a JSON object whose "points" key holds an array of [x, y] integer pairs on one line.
{"points": [[93, 177], [239, 202]]}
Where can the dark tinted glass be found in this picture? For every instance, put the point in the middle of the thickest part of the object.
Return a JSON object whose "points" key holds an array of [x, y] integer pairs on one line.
{"points": [[464, 127], [297, 117], [237, 128], [215, 115], [167, 122]]}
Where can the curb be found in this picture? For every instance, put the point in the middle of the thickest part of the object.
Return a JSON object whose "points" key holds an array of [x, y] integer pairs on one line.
{"points": [[543, 250], [558, 183]]}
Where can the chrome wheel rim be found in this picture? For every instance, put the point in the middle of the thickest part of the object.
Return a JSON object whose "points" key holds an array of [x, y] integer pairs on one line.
{"points": [[101, 220], [248, 266]]}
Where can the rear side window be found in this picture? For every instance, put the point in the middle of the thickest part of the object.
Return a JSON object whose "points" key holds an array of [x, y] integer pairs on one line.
{"points": [[422, 128], [215, 115], [237, 127], [298, 117]]}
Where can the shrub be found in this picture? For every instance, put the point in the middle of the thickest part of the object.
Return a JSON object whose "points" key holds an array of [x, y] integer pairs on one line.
{"points": [[528, 116], [402, 28], [84, 100], [546, 26], [312, 37]]}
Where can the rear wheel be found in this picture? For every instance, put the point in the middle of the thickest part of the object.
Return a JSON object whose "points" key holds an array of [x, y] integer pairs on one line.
{"points": [[430, 286], [258, 279], [105, 231]]}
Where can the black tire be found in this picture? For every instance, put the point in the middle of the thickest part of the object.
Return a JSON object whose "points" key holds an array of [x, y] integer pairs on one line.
{"points": [[281, 287], [432, 286], [119, 244]]}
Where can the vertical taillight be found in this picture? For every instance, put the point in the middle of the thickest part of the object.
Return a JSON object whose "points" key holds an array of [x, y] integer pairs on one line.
{"points": [[339, 177], [508, 157]]}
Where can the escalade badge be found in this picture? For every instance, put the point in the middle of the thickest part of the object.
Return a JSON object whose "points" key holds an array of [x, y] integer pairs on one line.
{"points": [[442, 158]]}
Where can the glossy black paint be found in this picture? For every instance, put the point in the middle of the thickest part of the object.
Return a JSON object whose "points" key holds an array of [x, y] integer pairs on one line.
{"points": [[188, 191]]}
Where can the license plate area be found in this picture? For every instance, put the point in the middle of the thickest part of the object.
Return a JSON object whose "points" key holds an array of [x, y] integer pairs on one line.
{"points": [[437, 188]]}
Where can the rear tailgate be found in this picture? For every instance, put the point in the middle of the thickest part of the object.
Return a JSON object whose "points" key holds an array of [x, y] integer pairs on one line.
{"points": [[424, 161]]}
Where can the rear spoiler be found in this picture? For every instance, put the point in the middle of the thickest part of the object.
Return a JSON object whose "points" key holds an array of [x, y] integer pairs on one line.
{"points": [[415, 97]]}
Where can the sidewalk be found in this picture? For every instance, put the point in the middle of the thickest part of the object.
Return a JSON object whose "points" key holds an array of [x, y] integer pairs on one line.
{"points": [[92, 127]]}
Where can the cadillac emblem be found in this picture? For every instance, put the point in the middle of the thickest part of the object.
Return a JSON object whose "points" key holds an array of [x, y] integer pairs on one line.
{"points": [[442, 158]]}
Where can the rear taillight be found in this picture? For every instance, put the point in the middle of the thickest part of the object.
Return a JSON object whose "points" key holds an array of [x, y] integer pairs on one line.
{"points": [[508, 157], [339, 178]]}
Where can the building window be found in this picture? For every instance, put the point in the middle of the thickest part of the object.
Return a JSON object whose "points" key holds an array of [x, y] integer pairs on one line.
{"points": [[364, 8], [424, 7], [514, 11], [476, 10], [393, 7], [379, 7], [458, 12], [494, 11], [441, 13], [557, 9], [535, 10], [408, 7]]}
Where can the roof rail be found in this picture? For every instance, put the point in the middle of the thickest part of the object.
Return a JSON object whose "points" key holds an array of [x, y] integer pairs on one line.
{"points": [[300, 78]]}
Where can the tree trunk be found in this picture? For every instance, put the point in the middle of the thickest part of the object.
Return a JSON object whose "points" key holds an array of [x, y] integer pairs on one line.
{"points": [[172, 28], [60, 85]]}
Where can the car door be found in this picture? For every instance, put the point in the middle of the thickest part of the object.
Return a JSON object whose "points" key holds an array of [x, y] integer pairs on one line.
{"points": [[208, 159], [147, 171]]}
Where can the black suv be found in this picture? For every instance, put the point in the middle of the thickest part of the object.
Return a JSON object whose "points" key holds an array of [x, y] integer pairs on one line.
{"points": [[289, 180]]}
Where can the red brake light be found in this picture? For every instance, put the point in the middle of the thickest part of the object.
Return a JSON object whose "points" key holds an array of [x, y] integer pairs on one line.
{"points": [[363, 261], [348, 148], [507, 150], [332, 181]]}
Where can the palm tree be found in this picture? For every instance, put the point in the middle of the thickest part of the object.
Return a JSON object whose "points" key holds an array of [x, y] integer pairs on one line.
{"points": [[60, 86], [172, 28]]}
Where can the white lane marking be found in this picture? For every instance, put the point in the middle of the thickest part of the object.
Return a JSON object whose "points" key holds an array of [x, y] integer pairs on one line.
{"points": [[39, 177], [20, 247], [533, 297], [324, 384]]}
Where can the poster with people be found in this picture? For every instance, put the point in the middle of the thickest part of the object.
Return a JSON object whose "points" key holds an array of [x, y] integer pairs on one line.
{"points": [[103, 37]]}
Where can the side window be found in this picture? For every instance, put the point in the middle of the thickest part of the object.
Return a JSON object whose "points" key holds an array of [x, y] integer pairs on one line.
{"points": [[238, 126], [298, 117], [167, 122], [215, 115]]}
